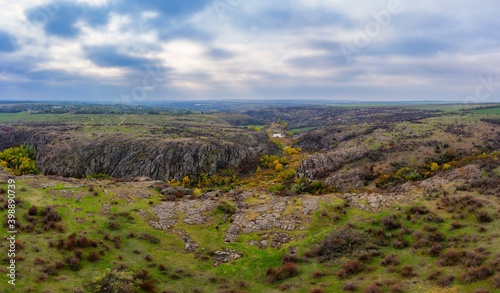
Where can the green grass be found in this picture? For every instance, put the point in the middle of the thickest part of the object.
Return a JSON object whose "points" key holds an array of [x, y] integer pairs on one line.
{"points": [[301, 130], [210, 237], [494, 111], [256, 127]]}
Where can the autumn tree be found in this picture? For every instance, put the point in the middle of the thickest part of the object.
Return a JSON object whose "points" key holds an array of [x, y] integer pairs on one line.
{"points": [[19, 160]]}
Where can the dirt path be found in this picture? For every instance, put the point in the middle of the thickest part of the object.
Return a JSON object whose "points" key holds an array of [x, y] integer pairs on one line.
{"points": [[122, 121]]}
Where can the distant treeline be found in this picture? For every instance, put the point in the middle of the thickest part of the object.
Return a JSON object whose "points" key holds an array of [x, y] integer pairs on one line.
{"points": [[491, 120]]}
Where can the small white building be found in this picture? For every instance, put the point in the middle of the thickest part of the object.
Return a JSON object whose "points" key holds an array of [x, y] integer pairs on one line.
{"points": [[277, 135]]}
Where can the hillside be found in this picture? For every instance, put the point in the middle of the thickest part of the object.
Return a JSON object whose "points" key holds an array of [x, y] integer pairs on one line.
{"points": [[369, 200]]}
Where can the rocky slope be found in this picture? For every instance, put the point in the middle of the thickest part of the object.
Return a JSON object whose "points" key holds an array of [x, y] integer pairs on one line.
{"points": [[66, 152]]}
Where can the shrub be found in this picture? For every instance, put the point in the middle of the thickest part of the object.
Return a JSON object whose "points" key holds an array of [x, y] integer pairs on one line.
{"points": [[53, 269], [93, 256], [477, 274], [33, 211], [435, 249], [451, 257], [141, 274], [149, 237], [275, 188], [353, 267], [113, 225], [117, 242], [339, 243], [50, 215], [400, 244], [396, 289], [390, 259], [148, 286], [318, 274], [112, 281], [287, 270], [42, 277], [472, 259], [445, 281], [373, 288], [227, 208], [456, 225], [484, 217], [434, 275], [162, 267], [19, 160], [391, 223], [73, 263], [495, 281], [436, 236], [481, 290], [350, 286], [407, 271]]}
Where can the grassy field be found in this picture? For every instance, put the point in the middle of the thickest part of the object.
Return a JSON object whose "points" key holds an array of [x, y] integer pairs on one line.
{"points": [[115, 119], [301, 130], [495, 111], [79, 205]]}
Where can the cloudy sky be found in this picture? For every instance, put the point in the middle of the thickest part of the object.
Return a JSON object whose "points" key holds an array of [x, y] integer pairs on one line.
{"points": [[153, 50]]}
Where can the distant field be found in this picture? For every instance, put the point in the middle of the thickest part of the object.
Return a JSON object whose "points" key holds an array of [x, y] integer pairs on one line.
{"points": [[255, 127], [300, 130], [118, 119], [488, 111], [429, 107]]}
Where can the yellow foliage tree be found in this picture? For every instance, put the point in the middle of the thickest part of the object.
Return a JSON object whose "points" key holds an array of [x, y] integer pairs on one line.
{"points": [[434, 167], [19, 160], [186, 181]]}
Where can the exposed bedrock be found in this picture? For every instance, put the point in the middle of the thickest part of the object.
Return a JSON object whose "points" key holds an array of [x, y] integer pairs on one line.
{"points": [[65, 154]]}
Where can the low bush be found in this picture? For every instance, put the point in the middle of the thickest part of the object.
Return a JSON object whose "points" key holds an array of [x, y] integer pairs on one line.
{"points": [[287, 270], [318, 274], [112, 281], [150, 238], [73, 263], [445, 281], [352, 267], [390, 259], [477, 274], [451, 257], [495, 281], [373, 288], [407, 271], [350, 287], [396, 289], [93, 256], [112, 225], [484, 217], [339, 243], [391, 222], [435, 249], [33, 211]]}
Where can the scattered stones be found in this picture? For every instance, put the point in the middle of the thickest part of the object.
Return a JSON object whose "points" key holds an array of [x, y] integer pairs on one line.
{"points": [[193, 211], [377, 201], [225, 256], [105, 209], [310, 205]]}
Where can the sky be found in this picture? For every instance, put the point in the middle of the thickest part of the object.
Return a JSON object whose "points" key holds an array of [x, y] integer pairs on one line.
{"points": [[126, 51]]}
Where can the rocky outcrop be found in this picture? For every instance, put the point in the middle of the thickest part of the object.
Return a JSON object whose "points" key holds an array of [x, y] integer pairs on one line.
{"points": [[66, 152], [225, 256], [321, 165]]}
